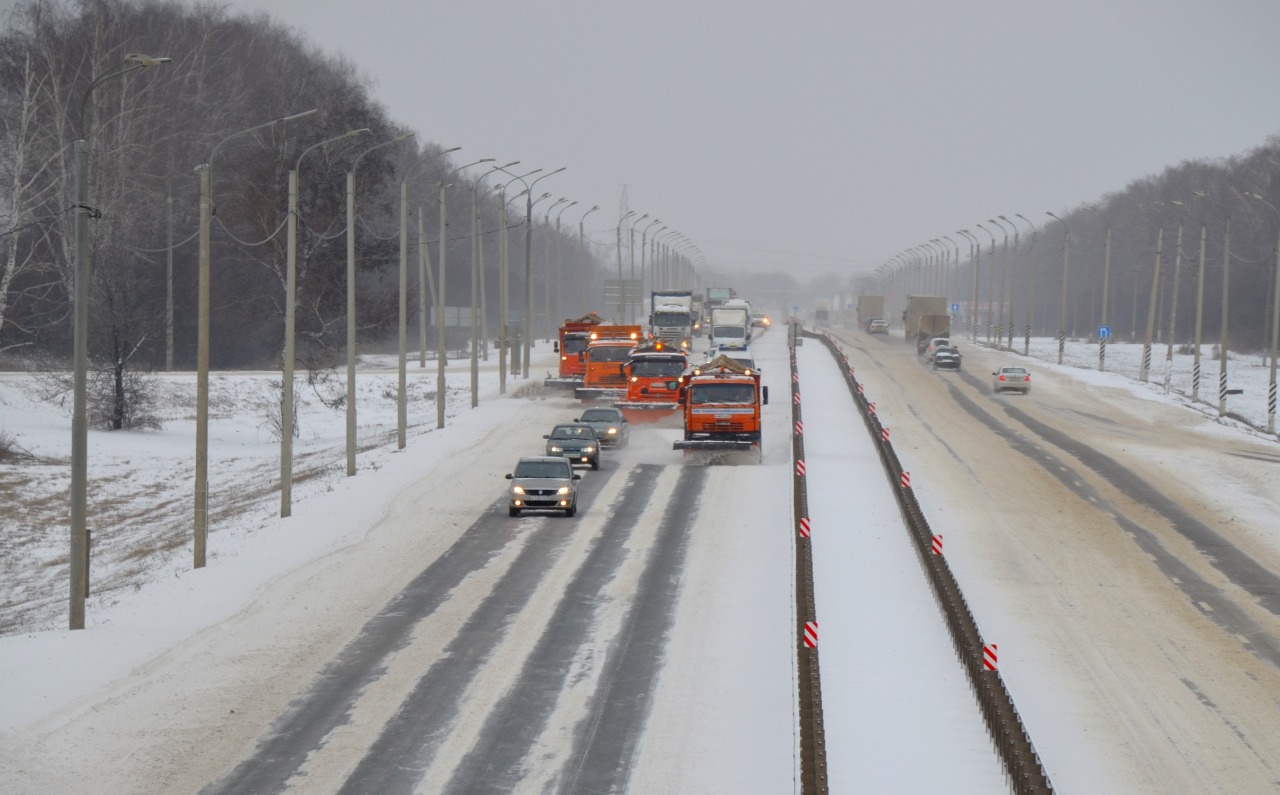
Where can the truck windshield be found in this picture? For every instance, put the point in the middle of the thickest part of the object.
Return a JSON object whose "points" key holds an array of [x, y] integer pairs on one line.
{"points": [[672, 319], [574, 344], [729, 331], [723, 393], [651, 369], [609, 353]]}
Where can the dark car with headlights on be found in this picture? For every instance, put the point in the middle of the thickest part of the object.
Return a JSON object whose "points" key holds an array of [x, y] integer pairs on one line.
{"points": [[610, 425], [576, 441], [543, 483], [946, 359]]}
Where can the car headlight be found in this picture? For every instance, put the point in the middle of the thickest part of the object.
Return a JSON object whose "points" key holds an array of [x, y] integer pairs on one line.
{"points": [[563, 490], [517, 490], [613, 430], [588, 449], [553, 448]]}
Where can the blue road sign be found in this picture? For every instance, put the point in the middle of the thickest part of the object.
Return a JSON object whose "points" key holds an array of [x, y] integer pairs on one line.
{"points": [[955, 307], [1104, 332]]}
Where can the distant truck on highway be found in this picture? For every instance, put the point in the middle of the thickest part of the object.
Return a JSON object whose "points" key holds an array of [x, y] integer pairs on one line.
{"points": [[731, 325], [926, 317], [870, 307], [671, 317]]}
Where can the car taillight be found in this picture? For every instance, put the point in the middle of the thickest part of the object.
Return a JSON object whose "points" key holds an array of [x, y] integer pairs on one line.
{"points": [[1001, 378]]}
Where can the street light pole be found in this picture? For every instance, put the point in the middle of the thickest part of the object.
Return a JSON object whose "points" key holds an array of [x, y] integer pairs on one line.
{"points": [[582, 249], [477, 284], [1004, 269], [990, 276], [1275, 324], [621, 290], [559, 268], [79, 553], [351, 301], [1144, 369], [546, 267], [442, 351], [202, 340], [975, 251], [290, 315], [1062, 299], [528, 268], [631, 260], [1031, 277]]}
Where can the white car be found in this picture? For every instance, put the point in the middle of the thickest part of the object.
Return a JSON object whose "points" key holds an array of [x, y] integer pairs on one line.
{"points": [[934, 345], [1017, 379]]}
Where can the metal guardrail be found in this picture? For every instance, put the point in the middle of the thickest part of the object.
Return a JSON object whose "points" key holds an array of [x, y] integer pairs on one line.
{"points": [[813, 748], [1021, 762]]}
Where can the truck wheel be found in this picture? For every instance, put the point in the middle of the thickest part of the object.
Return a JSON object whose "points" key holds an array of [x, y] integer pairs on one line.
{"points": [[513, 512]]}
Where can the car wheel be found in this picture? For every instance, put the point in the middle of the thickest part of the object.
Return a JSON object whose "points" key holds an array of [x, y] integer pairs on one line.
{"points": [[571, 510], [513, 511], [595, 464]]}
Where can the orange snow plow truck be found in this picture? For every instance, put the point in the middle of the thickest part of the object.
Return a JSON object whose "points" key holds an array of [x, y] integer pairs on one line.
{"points": [[722, 401], [655, 375], [605, 376], [574, 336]]}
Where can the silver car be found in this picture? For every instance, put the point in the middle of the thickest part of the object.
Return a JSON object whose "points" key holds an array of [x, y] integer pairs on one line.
{"points": [[1017, 379], [610, 425], [546, 483]]}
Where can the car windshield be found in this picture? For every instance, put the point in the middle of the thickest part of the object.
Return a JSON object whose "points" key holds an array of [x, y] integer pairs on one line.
{"points": [[609, 353], [651, 369], [1013, 370], [600, 415], [723, 393], [543, 469], [572, 432]]}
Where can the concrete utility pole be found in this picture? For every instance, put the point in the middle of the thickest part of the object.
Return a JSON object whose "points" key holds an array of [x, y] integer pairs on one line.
{"points": [[1144, 369], [79, 552]]}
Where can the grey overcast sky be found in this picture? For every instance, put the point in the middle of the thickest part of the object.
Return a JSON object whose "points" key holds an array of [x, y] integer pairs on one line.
{"points": [[817, 135]]}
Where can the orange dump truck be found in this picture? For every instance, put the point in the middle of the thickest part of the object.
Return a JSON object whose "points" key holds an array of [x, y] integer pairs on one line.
{"points": [[655, 374], [605, 361], [574, 336], [722, 401]]}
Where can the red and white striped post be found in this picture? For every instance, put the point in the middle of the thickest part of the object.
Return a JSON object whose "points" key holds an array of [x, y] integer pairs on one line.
{"points": [[884, 434], [989, 656], [811, 634], [871, 407], [905, 480], [799, 428], [937, 545], [800, 467], [804, 527]]}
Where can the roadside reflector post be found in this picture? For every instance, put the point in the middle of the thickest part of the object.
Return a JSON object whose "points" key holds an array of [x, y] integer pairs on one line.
{"points": [[811, 634], [989, 656], [937, 545], [905, 480]]}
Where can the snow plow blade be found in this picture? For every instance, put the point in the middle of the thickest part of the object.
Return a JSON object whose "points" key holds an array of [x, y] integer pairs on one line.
{"points": [[648, 412], [598, 394], [714, 445], [563, 383]]}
